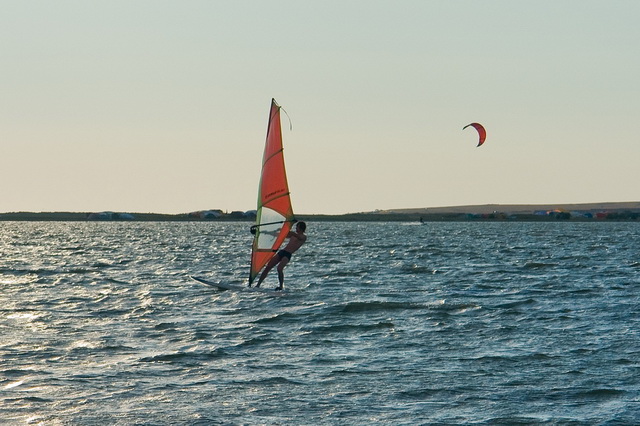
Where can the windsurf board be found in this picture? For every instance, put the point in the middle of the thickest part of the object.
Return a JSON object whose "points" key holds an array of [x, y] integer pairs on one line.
{"points": [[235, 287]]}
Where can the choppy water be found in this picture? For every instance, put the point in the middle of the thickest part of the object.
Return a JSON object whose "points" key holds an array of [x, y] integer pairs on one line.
{"points": [[446, 323]]}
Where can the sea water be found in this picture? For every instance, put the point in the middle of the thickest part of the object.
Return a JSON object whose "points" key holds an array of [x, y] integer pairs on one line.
{"points": [[396, 323]]}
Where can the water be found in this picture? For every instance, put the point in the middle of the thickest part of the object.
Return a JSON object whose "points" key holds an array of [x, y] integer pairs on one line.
{"points": [[445, 323]]}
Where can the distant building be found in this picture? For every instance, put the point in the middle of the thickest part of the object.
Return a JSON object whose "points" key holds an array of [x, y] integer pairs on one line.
{"points": [[206, 214], [211, 214], [107, 216], [100, 216]]}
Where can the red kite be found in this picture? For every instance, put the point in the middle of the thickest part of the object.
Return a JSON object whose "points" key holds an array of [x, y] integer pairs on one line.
{"points": [[481, 132]]}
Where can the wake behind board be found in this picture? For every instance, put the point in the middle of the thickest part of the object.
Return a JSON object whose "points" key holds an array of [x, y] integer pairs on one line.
{"points": [[233, 287]]}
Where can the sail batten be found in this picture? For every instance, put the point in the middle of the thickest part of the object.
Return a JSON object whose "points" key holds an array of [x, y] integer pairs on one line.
{"points": [[274, 217], [273, 155]]}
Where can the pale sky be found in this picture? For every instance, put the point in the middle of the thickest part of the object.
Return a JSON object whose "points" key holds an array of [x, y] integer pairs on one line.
{"points": [[162, 106]]}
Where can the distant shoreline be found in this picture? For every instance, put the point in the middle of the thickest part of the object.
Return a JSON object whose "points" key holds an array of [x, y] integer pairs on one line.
{"points": [[632, 206], [622, 211]]}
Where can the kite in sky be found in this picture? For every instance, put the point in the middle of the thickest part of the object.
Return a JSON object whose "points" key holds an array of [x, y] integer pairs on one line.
{"points": [[481, 131]]}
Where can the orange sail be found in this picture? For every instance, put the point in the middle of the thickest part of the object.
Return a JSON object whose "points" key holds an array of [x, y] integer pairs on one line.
{"points": [[275, 215]]}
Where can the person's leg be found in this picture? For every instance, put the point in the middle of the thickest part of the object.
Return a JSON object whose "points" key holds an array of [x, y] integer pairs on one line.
{"points": [[273, 262], [281, 266]]}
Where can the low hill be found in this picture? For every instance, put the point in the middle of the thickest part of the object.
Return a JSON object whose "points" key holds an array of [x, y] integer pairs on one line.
{"points": [[632, 206]]}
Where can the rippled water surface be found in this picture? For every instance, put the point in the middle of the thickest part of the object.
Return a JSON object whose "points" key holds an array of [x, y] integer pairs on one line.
{"points": [[397, 323]]}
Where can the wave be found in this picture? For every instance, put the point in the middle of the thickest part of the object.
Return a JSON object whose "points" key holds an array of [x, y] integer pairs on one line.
{"points": [[379, 306], [276, 318], [600, 394], [275, 380], [417, 270], [539, 265], [352, 328], [455, 308], [184, 356], [516, 304]]}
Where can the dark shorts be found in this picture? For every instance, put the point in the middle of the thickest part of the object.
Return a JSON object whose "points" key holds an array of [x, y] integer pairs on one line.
{"points": [[284, 253]]}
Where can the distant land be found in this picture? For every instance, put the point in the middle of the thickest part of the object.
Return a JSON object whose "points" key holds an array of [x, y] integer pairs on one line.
{"points": [[621, 211], [633, 206], [526, 212]]}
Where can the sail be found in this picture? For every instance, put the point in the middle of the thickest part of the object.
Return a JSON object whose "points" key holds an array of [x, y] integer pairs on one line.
{"points": [[274, 215]]}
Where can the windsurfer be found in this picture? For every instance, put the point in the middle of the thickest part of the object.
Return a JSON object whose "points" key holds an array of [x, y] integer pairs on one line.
{"points": [[283, 256]]}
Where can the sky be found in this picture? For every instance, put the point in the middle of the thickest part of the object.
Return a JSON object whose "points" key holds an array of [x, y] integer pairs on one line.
{"points": [[162, 106]]}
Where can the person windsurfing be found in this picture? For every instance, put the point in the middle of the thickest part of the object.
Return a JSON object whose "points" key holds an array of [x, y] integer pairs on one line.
{"points": [[283, 256]]}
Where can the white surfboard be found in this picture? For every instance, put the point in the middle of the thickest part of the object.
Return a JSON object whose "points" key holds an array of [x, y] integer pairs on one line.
{"points": [[235, 287]]}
